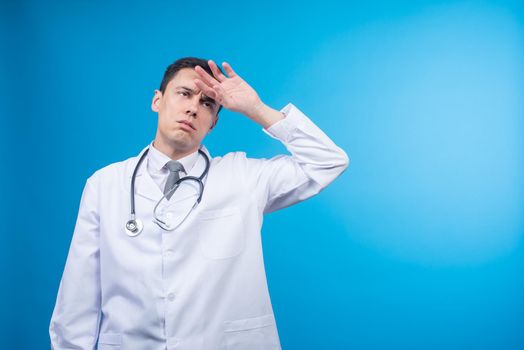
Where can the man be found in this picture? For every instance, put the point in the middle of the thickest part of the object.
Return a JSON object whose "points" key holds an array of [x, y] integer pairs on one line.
{"points": [[189, 273]]}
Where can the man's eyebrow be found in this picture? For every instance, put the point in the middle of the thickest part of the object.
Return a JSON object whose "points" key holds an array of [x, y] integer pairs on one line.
{"points": [[186, 88], [204, 97]]}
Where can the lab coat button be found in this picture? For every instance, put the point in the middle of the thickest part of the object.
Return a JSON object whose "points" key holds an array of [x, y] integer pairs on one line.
{"points": [[169, 252], [171, 296]]}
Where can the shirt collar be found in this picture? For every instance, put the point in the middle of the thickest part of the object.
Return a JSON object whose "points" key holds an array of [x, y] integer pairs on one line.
{"points": [[157, 160]]}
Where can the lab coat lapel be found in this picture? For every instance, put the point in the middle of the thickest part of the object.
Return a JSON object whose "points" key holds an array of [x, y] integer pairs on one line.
{"points": [[146, 187], [144, 184]]}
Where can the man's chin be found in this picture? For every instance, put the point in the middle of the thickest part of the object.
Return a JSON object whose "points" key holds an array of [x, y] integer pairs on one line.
{"points": [[182, 143], [181, 136]]}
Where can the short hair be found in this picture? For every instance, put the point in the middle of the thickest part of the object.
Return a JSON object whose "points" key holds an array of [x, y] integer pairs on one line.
{"points": [[181, 63]]}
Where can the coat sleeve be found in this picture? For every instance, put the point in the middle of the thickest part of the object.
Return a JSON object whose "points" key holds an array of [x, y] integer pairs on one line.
{"points": [[75, 320], [315, 161]]}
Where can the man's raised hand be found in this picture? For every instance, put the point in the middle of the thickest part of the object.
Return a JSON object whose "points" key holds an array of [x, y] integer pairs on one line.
{"points": [[230, 91]]}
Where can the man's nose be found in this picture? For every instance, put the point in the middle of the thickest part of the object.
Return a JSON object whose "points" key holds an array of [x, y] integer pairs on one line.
{"points": [[192, 107]]}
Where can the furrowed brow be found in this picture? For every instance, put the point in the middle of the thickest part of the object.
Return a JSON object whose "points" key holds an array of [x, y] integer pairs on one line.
{"points": [[204, 97], [186, 88]]}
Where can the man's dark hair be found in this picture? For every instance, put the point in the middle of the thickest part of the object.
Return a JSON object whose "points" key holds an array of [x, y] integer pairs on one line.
{"points": [[184, 62]]}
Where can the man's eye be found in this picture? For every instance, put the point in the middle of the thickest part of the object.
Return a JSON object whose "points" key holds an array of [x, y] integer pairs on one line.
{"points": [[208, 104], [184, 93]]}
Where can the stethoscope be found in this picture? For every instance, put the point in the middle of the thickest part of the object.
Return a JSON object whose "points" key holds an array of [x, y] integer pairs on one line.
{"points": [[134, 226]]}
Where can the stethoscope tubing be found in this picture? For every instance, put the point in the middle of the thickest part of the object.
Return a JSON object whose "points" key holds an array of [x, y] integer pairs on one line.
{"points": [[134, 226]]}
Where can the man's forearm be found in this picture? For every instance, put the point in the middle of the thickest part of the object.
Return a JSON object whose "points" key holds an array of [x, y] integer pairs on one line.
{"points": [[265, 115]]}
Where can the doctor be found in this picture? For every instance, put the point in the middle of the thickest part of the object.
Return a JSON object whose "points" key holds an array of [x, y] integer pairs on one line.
{"points": [[190, 273]]}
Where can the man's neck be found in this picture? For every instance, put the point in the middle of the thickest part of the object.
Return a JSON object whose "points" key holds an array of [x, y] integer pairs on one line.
{"points": [[171, 151]]}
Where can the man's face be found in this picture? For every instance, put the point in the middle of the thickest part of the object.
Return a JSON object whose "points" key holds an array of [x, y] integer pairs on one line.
{"points": [[185, 115]]}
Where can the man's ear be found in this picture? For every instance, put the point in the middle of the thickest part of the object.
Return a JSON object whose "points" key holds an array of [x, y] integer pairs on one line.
{"points": [[155, 103], [214, 123]]}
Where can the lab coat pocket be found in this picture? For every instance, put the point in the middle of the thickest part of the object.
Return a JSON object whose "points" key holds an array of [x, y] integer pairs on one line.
{"points": [[220, 233], [109, 341], [258, 333]]}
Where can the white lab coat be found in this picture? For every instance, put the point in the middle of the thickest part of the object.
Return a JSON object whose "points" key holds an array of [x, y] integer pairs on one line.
{"points": [[203, 285]]}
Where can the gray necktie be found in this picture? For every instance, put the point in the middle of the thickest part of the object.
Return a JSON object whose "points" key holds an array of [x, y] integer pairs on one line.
{"points": [[174, 168]]}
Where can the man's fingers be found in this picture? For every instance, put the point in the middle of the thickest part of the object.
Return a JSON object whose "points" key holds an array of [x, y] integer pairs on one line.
{"points": [[208, 91], [220, 93], [208, 79], [228, 69], [216, 72]]}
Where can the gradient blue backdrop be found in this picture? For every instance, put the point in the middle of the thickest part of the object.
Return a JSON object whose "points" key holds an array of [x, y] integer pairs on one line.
{"points": [[417, 246]]}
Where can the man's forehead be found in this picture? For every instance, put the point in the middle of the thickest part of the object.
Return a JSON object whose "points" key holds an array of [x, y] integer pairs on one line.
{"points": [[185, 85], [184, 77], [193, 90]]}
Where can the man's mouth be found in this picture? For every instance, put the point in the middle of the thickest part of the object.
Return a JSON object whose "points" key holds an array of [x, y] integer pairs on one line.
{"points": [[187, 124]]}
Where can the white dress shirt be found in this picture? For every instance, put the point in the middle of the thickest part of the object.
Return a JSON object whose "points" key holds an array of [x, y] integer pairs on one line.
{"points": [[156, 165]]}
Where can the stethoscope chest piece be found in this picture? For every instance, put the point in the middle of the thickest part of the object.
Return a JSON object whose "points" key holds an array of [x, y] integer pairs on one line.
{"points": [[134, 227]]}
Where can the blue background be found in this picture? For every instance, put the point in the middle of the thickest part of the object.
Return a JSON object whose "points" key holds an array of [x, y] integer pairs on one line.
{"points": [[418, 245]]}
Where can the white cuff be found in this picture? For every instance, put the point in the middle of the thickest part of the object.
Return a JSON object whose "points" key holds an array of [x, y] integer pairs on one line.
{"points": [[283, 129]]}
